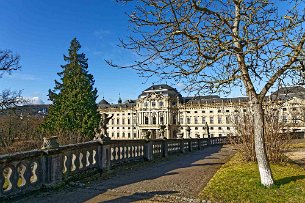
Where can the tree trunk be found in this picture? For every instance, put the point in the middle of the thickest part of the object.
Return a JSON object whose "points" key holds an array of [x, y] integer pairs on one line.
{"points": [[260, 150]]}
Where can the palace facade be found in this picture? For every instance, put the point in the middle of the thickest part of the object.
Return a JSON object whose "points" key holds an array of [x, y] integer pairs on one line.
{"points": [[163, 107]]}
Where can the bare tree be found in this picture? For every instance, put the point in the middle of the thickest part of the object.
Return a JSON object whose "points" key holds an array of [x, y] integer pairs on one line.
{"points": [[8, 63], [219, 44], [10, 98]]}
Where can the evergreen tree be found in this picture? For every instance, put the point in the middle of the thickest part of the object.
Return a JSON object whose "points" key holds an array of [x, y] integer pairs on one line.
{"points": [[74, 107]]}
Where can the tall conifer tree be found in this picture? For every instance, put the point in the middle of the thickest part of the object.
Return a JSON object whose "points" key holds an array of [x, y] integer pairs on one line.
{"points": [[74, 107]]}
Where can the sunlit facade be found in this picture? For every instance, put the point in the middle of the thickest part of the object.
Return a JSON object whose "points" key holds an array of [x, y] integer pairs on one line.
{"points": [[162, 106]]}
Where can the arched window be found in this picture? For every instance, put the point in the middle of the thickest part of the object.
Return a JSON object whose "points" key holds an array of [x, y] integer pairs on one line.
{"points": [[174, 119], [161, 120], [146, 120], [154, 120]]}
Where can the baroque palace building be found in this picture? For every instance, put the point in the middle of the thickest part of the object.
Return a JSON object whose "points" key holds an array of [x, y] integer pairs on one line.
{"points": [[163, 107]]}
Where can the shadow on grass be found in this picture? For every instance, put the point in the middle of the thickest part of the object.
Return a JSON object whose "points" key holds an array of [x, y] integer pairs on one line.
{"points": [[287, 180]]}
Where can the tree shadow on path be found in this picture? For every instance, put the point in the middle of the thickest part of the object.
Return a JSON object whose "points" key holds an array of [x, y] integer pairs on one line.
{"points": [[147, 181]]}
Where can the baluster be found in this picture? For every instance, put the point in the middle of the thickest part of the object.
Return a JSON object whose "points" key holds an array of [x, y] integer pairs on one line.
{"points": [[73, 166], [7, 174], [21, 168], [34, 170], [80, 160], [112, 153], [116, 153], [87, 158], [93, 157]]}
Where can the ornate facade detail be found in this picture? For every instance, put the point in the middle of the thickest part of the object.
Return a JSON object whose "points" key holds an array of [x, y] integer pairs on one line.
{"points": [[184, 117]]}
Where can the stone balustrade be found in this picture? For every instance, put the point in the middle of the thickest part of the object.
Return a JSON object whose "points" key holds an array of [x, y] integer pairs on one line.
{"points": [[32, 170]]}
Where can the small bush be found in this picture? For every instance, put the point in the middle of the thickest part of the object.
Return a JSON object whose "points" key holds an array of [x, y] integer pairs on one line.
{"points": [[276, 137]]}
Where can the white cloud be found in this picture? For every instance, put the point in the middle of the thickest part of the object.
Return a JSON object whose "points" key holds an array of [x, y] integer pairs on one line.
{"points": [[33, 101], [21, 76]]}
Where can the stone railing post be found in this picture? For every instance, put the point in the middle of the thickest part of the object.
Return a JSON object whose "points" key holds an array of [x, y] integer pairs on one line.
{"points": [[209, 141], [190, 144], [199, 143], [148, 150], [164, 148], [105, 155], [181, 145], [51, 162]]}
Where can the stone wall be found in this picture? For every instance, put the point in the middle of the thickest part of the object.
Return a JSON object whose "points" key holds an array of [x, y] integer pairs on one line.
{"points": [[28, 171]]}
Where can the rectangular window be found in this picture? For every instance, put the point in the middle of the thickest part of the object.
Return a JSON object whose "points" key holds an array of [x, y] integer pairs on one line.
{"points": [[227, 120], [219, 120], [196, 120], [203, 120], [188, 120], [211, 120], [181, 120]]}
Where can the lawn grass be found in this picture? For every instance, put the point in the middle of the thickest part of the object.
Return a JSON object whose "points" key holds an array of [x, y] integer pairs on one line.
{"points": [[237, 181]]}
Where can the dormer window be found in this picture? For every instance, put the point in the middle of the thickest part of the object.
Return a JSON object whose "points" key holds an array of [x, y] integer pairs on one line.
{"points": [[153, 104], [160, 103]]}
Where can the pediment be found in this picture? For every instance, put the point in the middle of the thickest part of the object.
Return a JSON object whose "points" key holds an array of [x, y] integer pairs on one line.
{"points": [[153, 96]]}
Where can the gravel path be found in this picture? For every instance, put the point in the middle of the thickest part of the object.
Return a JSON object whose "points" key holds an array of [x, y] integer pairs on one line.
{"points": [[178, 180]]}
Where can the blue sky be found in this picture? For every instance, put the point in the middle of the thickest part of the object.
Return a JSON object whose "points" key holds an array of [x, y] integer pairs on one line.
{"points": [[40, 31]]}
